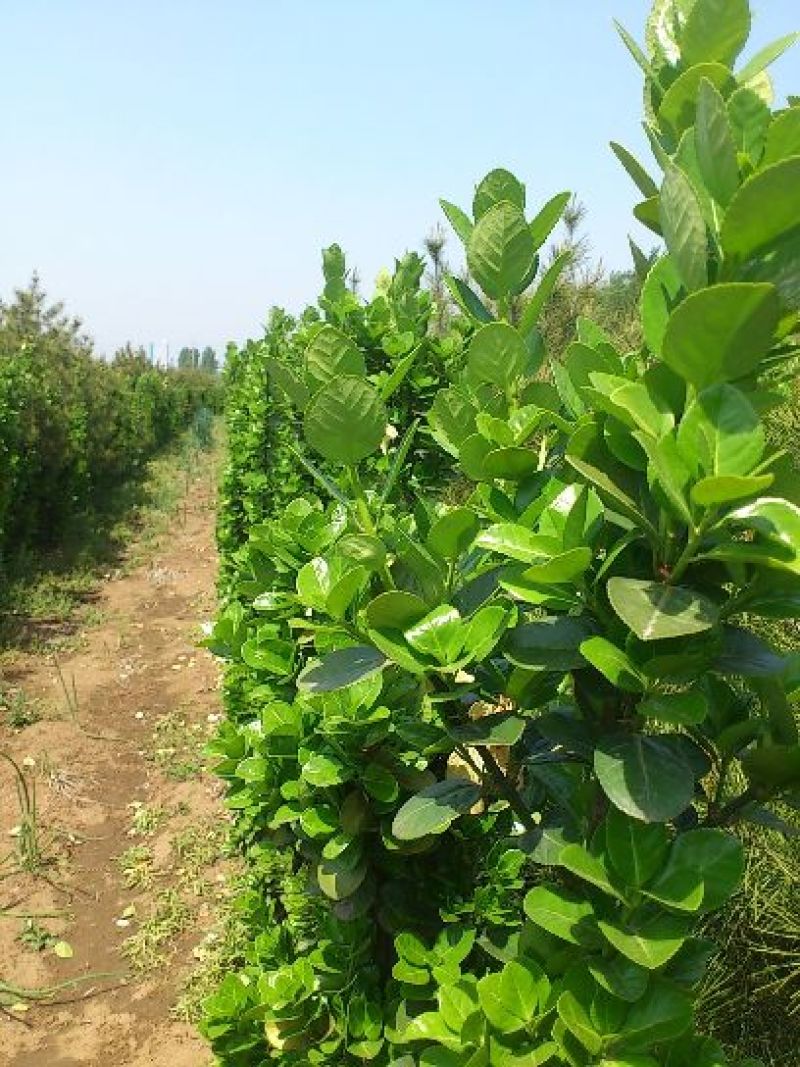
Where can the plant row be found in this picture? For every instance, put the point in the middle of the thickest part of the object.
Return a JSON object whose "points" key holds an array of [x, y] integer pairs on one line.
{"points": [[497, 696], [72, 427]]}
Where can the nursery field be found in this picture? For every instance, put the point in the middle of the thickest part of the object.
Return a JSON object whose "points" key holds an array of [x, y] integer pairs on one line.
{"points": [[490, 754]]}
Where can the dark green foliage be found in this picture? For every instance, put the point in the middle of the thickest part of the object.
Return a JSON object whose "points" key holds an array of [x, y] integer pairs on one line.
{"points": [[71, 426]]}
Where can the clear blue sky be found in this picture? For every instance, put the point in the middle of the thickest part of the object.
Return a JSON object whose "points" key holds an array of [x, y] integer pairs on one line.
{"points": [[173, 167]]}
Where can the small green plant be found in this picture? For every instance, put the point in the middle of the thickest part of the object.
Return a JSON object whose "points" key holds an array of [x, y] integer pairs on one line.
{"points": [[36, 937], [137, 866], [146, 819], [30, 856], [18, 709], [178, 746]]}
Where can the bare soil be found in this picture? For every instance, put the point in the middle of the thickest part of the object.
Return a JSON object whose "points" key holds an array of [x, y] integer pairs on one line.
{"points": [[102, 786]]}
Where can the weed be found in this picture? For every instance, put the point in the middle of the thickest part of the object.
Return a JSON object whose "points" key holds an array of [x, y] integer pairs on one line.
{"points": [[178, 746], [138, 867], [35, 937], [148, 947], [29, 852], [146, 819], [18, 709]]}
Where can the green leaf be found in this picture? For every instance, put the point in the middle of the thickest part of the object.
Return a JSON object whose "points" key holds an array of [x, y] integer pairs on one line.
{"points": [[458, 219], [749, 117], [655, 611], [452, 419], [679, 107], [713, 857], [677, 709], [544, 290], [498, 354], [716, 30], [564, 567], [610, 490], [395, 610], [338, 880], [563, 914], [548, 218], [500, 728], [637, 850], [497, 186], [346, 421], [716, 151], [619, 977], [550, 645], [648, 778], [500, 250], [783, 137], [774, 518], [331, 355], [576, 1018], [517, 542], [452, 533], [469, 301], [651, 942], [660, 294], [580, 862], [439, 634], [434, 809], [613, 663], [340, 669], [512, 999], [720, 434], [400, 372], [684, 229], [762, 59], [764, 213], [287, 382], [727, 488], [722, 333], [647, 187], [661, 1015], [509, 464]]}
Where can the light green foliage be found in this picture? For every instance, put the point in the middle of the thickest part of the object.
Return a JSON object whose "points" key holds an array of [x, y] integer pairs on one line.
{"points": [[505, 730]]}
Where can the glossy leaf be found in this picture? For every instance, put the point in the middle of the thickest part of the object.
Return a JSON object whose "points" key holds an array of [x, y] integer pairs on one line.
{"points": [[650, 943], [764, 212], [563, 914], [655, 611], [721, 333], [434, 809], [637, 850], [647, 777], [341, 669], [613, 663]]}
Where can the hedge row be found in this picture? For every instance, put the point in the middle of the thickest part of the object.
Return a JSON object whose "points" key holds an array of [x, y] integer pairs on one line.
{"points": [[498, 695], [73, 427]]}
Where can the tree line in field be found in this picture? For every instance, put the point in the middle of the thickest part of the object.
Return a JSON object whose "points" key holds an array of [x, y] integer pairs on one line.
{"points": [[72, 426], [511, 581]]}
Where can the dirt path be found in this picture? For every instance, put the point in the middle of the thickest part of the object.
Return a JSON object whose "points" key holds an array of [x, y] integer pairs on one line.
{"points": [[130, 826]]}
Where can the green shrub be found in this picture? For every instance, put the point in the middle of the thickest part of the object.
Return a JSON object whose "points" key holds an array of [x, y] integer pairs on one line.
{"points": [[497, 693], [71, 426]]}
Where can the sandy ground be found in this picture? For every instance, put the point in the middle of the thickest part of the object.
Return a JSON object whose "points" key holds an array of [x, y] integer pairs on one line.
{"points": [[138, 665]]}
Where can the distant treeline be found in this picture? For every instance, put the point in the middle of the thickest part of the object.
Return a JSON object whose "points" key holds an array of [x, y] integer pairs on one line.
{"points": [[73, 426]]}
